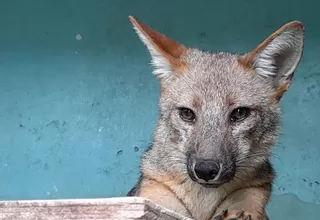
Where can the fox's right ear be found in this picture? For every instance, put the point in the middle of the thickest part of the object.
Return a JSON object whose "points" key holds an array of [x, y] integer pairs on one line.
{"points": [[166, 53]]}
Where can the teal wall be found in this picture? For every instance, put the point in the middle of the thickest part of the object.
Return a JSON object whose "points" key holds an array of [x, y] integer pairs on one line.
{"points": [[75, 115]]}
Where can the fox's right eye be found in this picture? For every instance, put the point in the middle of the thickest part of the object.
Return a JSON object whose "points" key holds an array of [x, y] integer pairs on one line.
{"points": [[187, 115]]}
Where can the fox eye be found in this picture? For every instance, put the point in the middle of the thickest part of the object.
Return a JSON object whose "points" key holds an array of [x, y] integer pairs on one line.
{"points": [[187, 115], [239, 114]]}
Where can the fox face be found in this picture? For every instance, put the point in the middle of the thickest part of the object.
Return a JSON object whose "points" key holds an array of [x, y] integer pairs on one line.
{"points": [[219, 112]]}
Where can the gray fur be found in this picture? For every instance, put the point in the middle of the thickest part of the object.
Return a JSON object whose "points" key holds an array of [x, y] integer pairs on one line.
{"points": [[218, 84]]}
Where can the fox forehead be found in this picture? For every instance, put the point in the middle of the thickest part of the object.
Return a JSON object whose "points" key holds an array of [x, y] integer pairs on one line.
{"points": [[218, 78]]}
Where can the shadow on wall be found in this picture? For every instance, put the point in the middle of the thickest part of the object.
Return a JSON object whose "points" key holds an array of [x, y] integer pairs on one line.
{"points": [[79, 102]]}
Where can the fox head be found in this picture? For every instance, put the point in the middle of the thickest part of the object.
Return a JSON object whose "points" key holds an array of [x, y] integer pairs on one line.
{"points": [[219, 112]]}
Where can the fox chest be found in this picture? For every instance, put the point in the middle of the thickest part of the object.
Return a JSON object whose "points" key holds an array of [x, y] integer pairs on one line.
{"points": [[202, 203]]}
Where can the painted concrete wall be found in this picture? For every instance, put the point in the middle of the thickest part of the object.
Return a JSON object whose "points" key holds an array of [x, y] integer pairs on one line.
{"points": [[75, 114]]}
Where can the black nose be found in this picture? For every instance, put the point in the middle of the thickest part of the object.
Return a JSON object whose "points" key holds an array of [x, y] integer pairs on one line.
{"points": [[206, 169]]}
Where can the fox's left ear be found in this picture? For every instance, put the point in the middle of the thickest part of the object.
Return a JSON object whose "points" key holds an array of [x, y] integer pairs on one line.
{"points": [[278, 56]]}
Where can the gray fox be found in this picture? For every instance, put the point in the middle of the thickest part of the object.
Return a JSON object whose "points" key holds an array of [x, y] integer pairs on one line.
{"points": [[219, 118]]}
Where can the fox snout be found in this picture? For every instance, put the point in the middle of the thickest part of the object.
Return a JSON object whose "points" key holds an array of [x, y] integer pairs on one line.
{"points": [[210, 173]]}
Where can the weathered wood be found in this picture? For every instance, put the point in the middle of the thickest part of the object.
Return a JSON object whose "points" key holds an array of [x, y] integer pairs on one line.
{"points": [[110, 208]]}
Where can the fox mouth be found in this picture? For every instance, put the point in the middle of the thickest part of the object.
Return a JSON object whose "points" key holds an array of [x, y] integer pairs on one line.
{"points": [[209, 184]]}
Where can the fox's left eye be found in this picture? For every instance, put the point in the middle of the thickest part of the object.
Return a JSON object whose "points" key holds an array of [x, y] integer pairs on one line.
{"points": [[187, 115], [239, 114]]}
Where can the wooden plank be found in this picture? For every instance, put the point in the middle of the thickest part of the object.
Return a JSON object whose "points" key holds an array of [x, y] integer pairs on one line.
{"points": [[110, 208]]}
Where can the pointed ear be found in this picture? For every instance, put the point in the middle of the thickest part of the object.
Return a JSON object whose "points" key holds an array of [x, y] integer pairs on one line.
{"points": [[278, 56], [166, 53]]}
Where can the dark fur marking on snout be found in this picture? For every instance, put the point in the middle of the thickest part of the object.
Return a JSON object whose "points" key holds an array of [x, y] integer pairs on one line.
{"points": [[175, 136]]}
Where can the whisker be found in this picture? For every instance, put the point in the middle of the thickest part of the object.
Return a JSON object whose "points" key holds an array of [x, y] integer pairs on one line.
{"points": [[251, 156]]}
